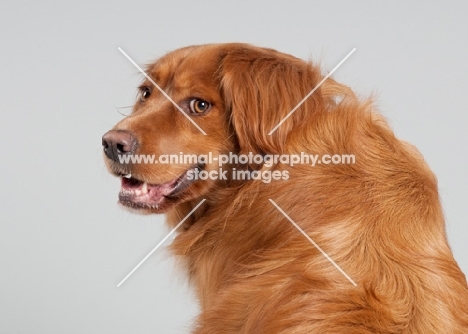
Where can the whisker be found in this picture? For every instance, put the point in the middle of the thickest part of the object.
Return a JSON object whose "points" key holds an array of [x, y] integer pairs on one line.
{"points": [[118, 109]]}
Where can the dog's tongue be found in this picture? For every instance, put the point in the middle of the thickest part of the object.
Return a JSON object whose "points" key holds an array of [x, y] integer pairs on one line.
{"points": [[138, 191]]}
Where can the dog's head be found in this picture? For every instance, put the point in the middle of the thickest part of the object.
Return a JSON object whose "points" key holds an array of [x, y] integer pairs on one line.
{"points": [[235, 93]]}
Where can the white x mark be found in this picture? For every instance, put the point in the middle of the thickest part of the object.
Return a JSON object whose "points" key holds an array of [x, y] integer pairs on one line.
{"points": [[162, 91], [160, 243], [313, 243], [311, 92]]}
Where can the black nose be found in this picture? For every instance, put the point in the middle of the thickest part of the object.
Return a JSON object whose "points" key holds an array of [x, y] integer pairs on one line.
{"points": [[118, 143]]}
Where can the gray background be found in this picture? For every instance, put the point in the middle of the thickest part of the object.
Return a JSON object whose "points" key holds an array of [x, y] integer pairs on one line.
{"points": [[64, 243]]}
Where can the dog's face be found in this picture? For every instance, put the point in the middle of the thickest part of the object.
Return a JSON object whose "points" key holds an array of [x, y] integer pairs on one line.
{"points": [[235, 93], [158, 128]]}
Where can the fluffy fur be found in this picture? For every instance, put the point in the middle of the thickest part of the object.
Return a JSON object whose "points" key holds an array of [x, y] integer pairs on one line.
{"points": [[379, 219]]}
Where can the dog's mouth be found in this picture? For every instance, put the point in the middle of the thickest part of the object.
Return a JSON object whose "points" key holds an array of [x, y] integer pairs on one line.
{"points": [[136, 193]]}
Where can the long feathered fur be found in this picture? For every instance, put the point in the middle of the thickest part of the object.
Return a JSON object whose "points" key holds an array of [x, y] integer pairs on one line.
{"points": [[379, 219]]}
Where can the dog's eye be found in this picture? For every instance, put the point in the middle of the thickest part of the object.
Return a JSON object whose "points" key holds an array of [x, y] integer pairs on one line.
{"points": [[145, 93], [198, 106]]}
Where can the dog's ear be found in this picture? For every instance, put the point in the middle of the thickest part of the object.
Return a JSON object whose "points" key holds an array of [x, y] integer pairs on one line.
{"points": [[260, 87]]}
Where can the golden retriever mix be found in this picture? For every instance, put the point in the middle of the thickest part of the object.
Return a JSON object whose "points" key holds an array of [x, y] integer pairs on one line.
{"points": [[379, 218]]}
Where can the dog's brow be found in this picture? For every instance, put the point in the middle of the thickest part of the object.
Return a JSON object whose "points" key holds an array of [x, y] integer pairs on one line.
{"points": [[162, 91]]}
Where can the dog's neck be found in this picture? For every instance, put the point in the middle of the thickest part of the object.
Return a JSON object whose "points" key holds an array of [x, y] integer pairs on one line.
{"points": [[203, 231]]}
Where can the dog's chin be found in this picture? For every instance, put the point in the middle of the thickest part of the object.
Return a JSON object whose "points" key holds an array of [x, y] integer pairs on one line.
{"points": [[147, 198]]}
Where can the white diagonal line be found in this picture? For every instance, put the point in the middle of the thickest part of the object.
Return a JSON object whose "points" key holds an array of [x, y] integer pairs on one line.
{"points": [[160, 243], [162, 91], [311, 92], [313, 243]]}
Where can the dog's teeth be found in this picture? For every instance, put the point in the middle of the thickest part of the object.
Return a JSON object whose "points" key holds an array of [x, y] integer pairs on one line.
{"points": [[127, 176], [144, 188]]}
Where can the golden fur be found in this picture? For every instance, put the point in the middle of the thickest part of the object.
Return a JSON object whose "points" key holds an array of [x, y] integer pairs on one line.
{"points": [[379, 219]]}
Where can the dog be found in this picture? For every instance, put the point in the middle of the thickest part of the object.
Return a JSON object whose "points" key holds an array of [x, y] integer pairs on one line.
{"points": [[373, 256]]}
